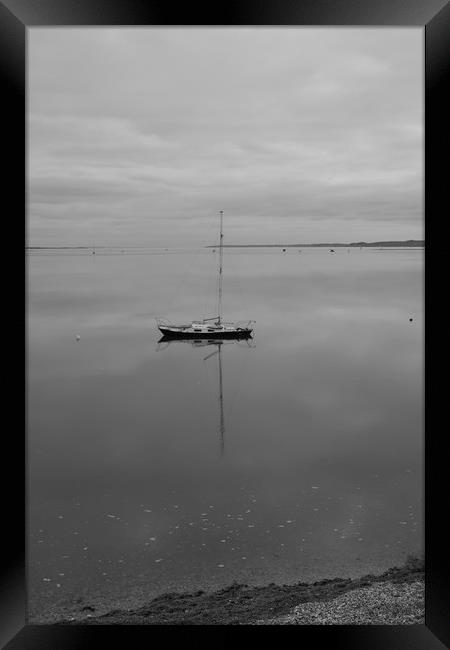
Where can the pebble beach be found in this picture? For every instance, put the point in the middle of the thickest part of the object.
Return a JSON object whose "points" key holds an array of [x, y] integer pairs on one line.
{"points": [[395, 597]]}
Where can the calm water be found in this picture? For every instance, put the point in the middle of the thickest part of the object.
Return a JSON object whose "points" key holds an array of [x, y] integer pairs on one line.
{"points": [[133, 488]]}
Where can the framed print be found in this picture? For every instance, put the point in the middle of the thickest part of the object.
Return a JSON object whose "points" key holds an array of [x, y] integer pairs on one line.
{"points": [[224, 217]]}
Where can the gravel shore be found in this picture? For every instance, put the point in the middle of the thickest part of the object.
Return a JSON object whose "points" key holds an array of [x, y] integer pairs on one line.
{"points": [[395, 597], [385, 603]]}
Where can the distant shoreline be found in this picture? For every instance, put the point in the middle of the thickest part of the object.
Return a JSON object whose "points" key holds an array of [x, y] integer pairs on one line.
{"points": [[411, 243]]}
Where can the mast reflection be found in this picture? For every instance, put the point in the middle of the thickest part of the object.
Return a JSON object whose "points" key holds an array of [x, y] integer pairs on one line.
{"points": [[164, 343]]}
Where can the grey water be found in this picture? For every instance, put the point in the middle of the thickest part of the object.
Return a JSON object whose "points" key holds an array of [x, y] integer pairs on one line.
{"points": [[137, 487]]}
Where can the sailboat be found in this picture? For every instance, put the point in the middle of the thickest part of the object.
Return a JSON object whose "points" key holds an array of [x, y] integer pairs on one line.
{"points": [[212, 328]]}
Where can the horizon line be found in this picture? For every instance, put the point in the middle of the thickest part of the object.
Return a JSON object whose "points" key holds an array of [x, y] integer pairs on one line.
{"points": [[297, 245]]}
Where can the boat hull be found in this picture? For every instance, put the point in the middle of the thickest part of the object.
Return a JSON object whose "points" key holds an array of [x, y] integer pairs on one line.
{"points": [[242, 333]]}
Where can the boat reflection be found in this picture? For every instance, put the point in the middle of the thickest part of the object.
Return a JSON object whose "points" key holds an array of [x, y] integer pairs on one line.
{"points": [[248, 342]]}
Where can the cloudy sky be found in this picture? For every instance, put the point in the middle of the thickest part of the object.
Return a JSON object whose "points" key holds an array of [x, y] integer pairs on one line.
{"points": [[140, 136]]}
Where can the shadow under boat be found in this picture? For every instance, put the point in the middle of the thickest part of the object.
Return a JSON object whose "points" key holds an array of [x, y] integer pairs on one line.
{"points": [[204, 340]]}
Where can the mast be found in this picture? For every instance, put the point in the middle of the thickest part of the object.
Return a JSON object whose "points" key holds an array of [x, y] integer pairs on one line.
{"points": [[220, 269]]}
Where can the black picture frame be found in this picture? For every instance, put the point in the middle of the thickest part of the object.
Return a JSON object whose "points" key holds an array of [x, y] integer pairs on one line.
{"points": [[434, 16]]}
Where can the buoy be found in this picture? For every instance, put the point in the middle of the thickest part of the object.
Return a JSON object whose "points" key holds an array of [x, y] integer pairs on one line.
{"points": [[78, 337], [284, 250], [410, 320]]}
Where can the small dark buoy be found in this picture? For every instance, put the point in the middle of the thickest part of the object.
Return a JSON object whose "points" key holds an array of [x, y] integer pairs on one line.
{"points": [[93, 252], [410, 320], [284, 250], [331, 250]]}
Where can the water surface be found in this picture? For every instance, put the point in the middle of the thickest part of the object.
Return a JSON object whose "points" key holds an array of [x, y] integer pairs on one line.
{"points": [[134, 490]]}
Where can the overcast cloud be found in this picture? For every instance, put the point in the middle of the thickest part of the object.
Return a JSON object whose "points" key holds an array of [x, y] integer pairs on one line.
{"points": [[140, 136]]}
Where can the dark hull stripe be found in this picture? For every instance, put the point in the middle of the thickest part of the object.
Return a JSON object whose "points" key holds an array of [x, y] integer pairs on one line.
{"points": [[244, 334]]}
